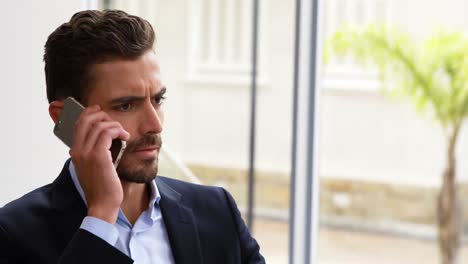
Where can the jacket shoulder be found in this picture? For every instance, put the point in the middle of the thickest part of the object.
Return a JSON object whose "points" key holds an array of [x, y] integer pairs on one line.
{"points": [[194, 193], [38, 199], [21, 218], [186, 186]]}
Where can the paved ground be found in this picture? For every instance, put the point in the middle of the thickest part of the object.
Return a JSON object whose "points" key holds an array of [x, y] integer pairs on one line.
{"points": [[337, 246]]}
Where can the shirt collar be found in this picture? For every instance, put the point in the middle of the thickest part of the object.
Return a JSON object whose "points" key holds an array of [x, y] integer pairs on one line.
{"points": [[154, 198], [76, 182]]}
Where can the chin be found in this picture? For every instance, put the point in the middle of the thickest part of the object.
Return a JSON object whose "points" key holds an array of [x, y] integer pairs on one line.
{"points": [[142, 171], [137, 179]]}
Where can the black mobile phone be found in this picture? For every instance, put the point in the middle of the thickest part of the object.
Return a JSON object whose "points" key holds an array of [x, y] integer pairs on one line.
{"points": [[65, 127]]}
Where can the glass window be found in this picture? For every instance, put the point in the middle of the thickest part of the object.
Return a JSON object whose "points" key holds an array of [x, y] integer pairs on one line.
{"points": [[205, 49]]}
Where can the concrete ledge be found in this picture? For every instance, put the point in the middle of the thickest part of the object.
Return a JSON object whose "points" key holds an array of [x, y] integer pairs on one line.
{"points": [[408, 210]]}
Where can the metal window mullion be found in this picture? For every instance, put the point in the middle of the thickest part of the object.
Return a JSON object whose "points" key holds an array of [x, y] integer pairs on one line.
{"points": [[253, 115], [305, 181]]}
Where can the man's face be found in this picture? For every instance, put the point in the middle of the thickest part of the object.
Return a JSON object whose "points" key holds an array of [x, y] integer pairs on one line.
{"points": [[131, 92]]}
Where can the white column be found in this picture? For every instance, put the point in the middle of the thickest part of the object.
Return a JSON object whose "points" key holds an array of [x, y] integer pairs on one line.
{"points": [[146, 9], [131, 7], [194, 33], [370, 11], [388, 10], [118, 4], [331, 16], [89, 4], [246, 31], [348, 11], [229, 31], [151, 6], [213, 48]]}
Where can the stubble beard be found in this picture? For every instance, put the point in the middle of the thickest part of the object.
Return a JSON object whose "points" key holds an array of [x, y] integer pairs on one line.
{"points": [[137, 170]]}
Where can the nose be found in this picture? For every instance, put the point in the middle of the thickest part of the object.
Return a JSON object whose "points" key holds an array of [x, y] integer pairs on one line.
{"points": [[152, 119]]}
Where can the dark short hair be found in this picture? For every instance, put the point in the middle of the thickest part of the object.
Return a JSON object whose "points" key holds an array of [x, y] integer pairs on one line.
{"points": [[91, 37]]}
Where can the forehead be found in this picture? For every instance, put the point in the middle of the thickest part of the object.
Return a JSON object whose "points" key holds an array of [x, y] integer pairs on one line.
{"points": [[124, 77]]}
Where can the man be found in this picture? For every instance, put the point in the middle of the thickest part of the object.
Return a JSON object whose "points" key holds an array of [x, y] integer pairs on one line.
{"points": [[93, 212]]}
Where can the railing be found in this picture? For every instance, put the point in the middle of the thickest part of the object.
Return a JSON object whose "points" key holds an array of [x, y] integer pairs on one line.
{"points": [[180, 165]]}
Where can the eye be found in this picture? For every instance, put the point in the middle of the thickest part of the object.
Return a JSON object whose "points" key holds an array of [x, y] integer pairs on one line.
{"points": [[158, 100], [126, 107]]}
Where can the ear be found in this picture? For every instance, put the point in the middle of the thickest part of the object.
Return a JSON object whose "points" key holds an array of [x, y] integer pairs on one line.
{"points": [[55, 108]]}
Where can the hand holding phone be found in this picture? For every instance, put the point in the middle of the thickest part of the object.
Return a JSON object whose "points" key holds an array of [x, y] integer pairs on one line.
{"points": [[93, 139], [65, 127]]}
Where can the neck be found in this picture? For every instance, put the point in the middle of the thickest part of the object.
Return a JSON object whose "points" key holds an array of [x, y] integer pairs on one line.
{"points": [[136, 199]]}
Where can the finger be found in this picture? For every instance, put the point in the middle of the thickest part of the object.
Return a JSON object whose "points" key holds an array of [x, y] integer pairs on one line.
{"points": [[89, 110], [95, 131], [84, 124], [104, 141]]}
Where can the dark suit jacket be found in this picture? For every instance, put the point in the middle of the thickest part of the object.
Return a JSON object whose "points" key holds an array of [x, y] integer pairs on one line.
{"points": [[203, 224]]}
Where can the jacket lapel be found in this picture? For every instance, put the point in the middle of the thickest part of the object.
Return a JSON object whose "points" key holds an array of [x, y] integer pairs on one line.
{"points": [[179, 220], [180, 225]]}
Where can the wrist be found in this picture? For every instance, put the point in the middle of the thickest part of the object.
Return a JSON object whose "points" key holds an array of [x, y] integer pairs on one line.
{"points": [[106, 214]]}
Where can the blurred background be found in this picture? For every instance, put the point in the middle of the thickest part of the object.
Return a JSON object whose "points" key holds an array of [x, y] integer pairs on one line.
{"points": [[380, 161]]}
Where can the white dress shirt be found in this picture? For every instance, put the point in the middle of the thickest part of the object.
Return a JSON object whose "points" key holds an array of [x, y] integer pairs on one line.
{"points": [[146, 242]]}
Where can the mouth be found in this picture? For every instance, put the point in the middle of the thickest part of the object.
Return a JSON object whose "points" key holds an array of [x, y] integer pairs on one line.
{"points": [[147, 152]]}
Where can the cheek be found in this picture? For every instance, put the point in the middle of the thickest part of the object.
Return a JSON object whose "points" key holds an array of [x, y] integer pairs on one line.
{"points": [[133, 130], [128, 125]]}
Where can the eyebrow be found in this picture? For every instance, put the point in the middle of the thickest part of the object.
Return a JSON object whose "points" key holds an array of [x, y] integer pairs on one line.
{"points": [[128, 99]]}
